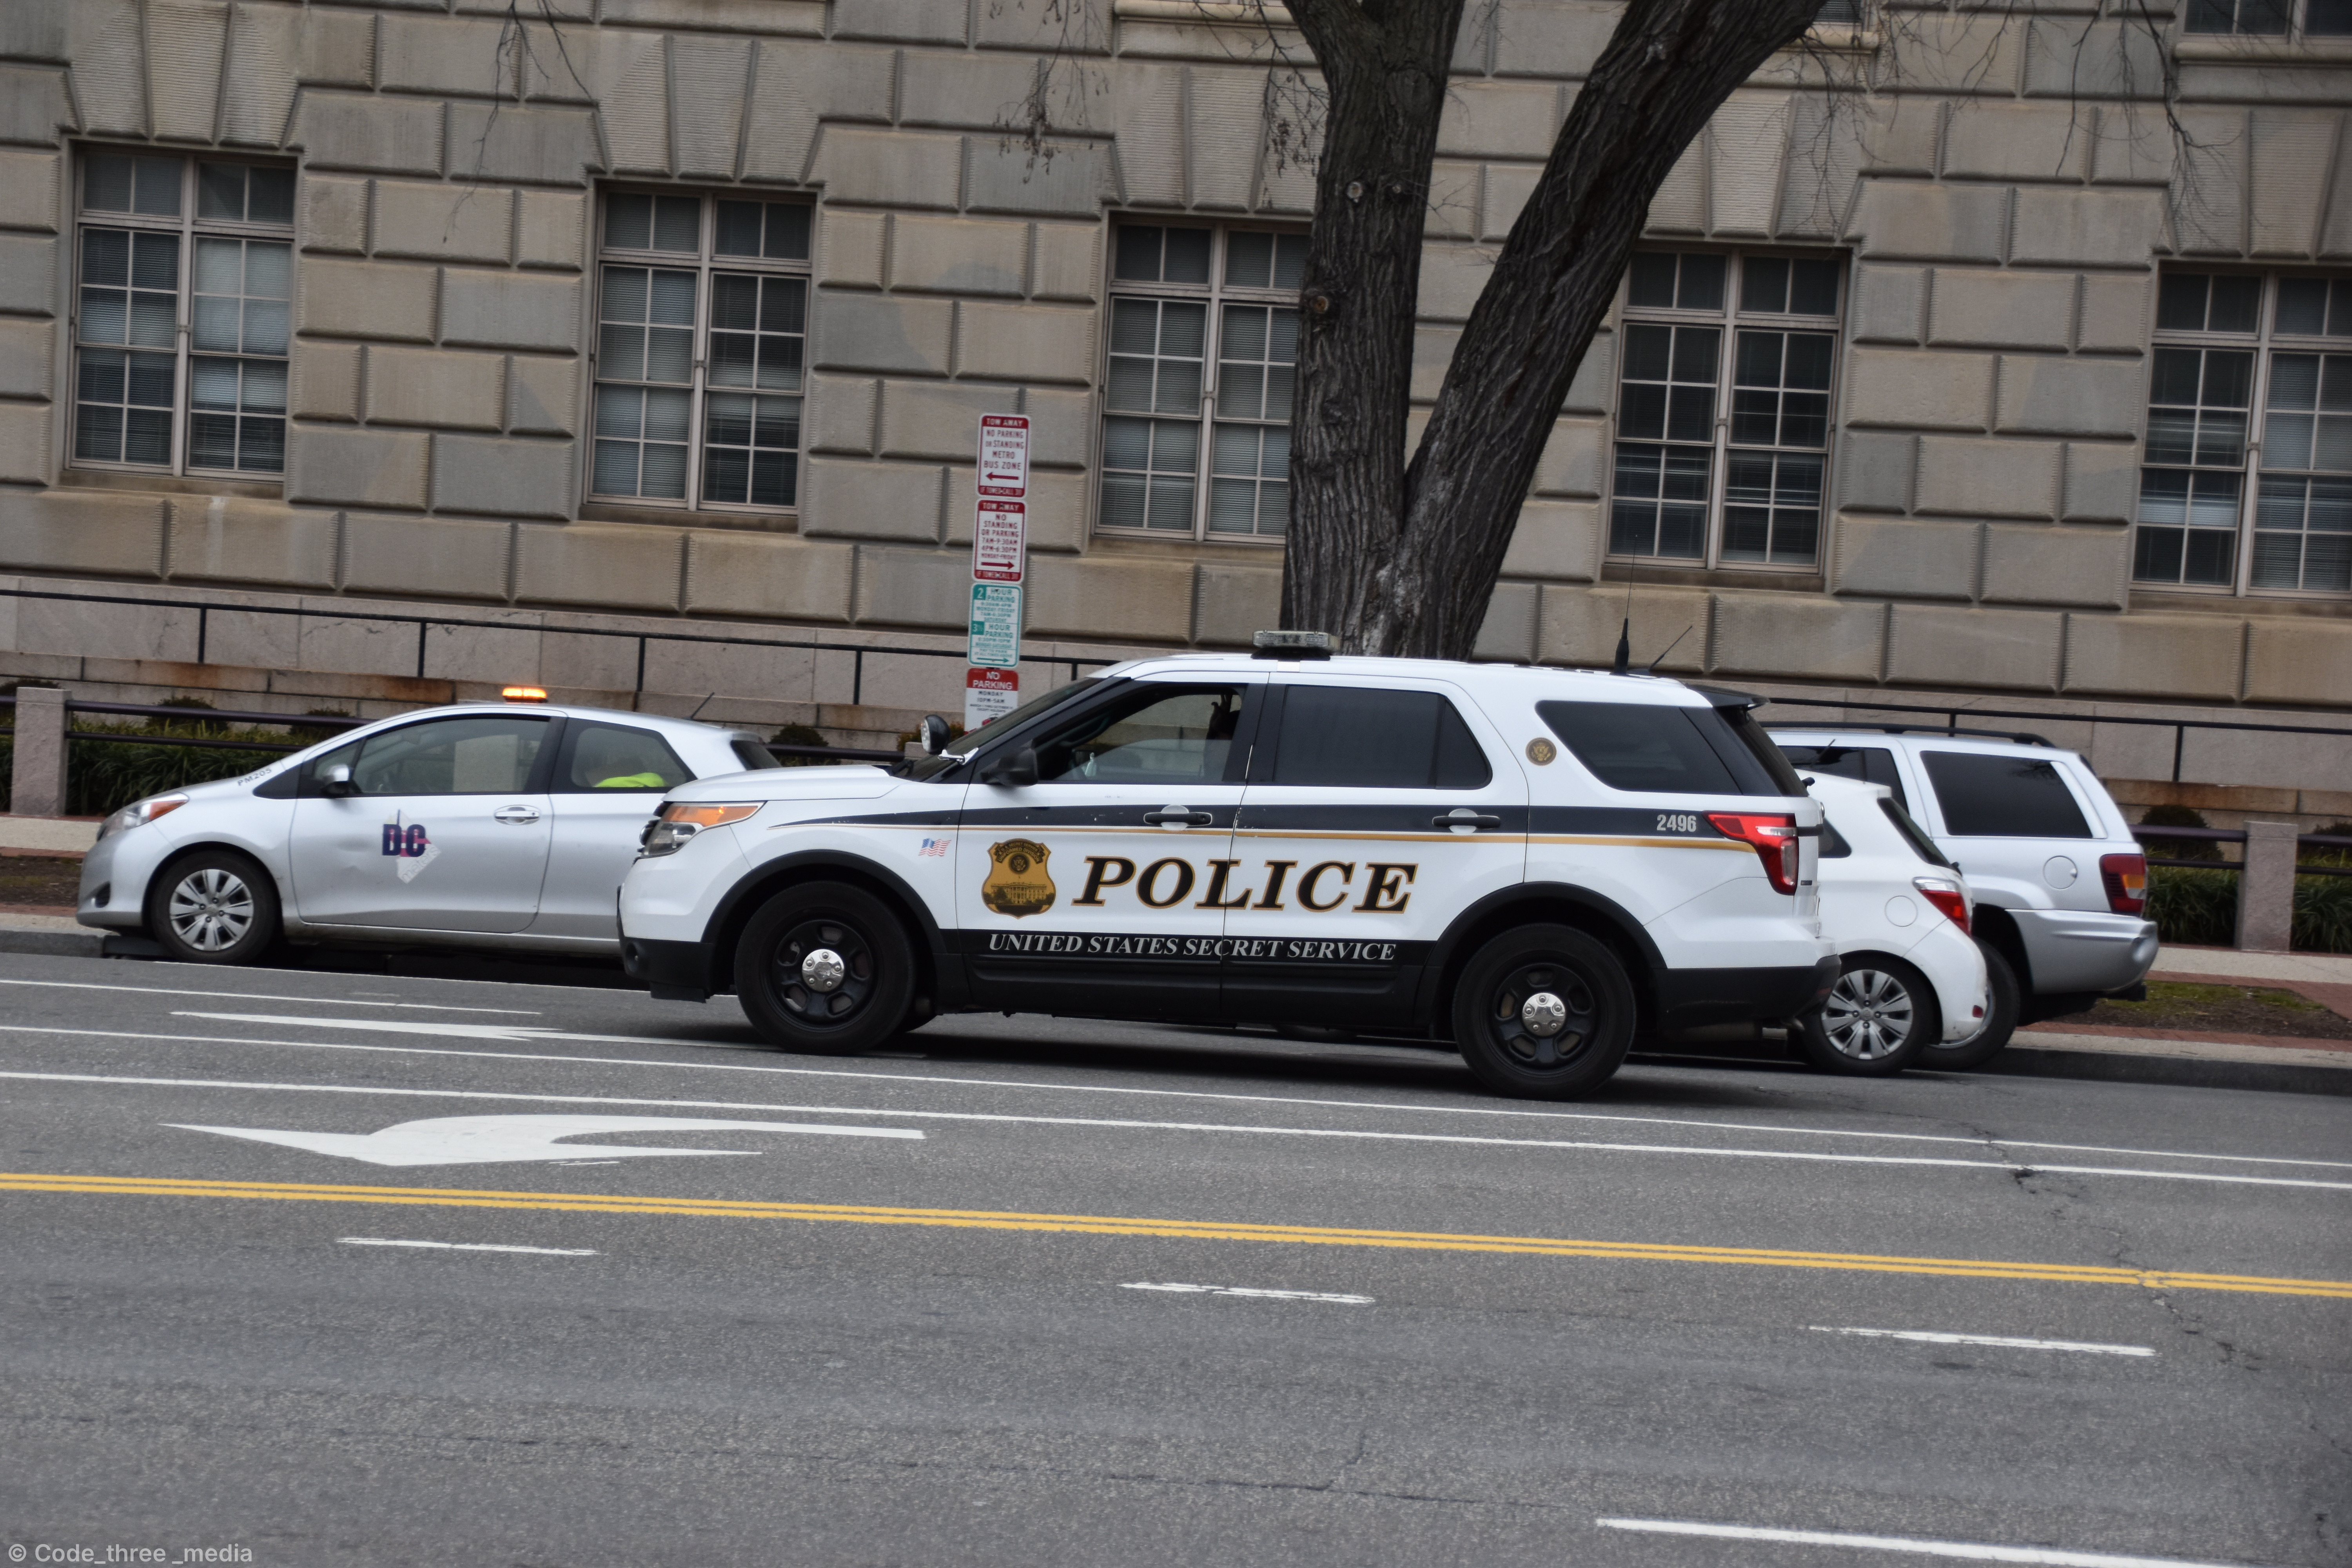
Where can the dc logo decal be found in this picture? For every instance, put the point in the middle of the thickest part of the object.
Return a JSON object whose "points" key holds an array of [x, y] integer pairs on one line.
{"points": [[410, 841]]}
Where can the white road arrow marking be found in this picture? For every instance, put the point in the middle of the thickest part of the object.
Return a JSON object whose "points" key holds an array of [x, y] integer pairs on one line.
{"points": [[493, 1140]]}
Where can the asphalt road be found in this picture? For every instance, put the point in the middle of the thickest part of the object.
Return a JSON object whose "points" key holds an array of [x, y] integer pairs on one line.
{"points": [[1516, 1335]]}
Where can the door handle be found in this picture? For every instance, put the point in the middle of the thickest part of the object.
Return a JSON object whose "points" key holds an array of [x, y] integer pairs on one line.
{"points": [[518, 815], [1463, 817], [1177, 814]]}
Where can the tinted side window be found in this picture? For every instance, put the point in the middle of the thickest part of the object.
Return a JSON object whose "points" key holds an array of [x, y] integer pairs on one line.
{"points": [[489, 755], [1154, 736], [1871, 764], [1643, 746], [1367, 738], [2003, 797], [1756, 748], [618, 757]]}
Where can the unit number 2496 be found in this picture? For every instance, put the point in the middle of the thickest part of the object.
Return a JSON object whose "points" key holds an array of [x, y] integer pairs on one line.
{"points": [[1673, 822]]}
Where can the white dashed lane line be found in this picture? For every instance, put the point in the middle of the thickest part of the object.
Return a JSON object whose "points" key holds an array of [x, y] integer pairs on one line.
{"points": [[1970, 1551], [468, 1247], [1327, 1297], [264, 997], [1926, 1336]]}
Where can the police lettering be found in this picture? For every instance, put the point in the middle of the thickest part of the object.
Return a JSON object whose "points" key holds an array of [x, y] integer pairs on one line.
{"points": [[1165, 883]]}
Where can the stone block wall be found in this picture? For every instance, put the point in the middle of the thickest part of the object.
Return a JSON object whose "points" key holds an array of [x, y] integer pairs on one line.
{"points": [[2002, 185]]}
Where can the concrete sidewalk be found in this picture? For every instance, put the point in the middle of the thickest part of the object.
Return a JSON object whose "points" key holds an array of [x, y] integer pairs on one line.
{"points": [[57, 834]]}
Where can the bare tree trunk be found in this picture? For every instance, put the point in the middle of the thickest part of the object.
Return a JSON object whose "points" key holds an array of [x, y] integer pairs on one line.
{"points": [[1405, 564], [1385, 70]]}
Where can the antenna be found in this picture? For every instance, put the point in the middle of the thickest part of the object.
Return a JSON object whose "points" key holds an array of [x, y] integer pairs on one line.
{"points": [[706, 702], [1625, 647], [1651, 667]]}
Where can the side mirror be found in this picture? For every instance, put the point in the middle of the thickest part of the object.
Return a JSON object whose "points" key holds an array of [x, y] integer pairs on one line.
{"points": [[933, 735], [338, 782], [1017, 770]]}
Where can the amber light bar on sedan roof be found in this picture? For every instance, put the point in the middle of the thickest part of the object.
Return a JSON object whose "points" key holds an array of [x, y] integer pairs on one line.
{"points": [[524, 693]]}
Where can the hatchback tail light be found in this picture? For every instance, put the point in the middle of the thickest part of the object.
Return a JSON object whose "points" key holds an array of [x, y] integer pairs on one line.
{"points": [[1775, 838], [1948, 895], [2126, 876]]}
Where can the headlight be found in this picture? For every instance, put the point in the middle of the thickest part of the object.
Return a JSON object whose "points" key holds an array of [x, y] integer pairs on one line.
{"points": [[681, 820], [140, 811]]}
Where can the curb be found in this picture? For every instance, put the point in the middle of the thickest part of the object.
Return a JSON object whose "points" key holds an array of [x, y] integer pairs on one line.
{"points": [[54, 943], [2185, 1073]]}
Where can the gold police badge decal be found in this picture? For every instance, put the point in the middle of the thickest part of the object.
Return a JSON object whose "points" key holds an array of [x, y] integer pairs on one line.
{"points": [[1017, 884]]}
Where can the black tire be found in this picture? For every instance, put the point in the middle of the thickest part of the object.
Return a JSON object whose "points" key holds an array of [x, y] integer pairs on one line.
{"points": [[778, 974], [1491, 1024], [215, 906], [2003, 999], [1878, 1019]]}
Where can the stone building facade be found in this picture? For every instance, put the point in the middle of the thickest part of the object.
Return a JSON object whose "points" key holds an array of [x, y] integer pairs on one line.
{"points": [[1949, 374]]}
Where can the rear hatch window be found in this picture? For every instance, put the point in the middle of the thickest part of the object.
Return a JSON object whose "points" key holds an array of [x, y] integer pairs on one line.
{"points": [[1676, 751], [1871, 764], [1989, 796]]}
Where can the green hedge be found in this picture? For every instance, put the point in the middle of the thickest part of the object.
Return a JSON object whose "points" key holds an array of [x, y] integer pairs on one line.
{"points": [[102, 776], [2201, 907]]}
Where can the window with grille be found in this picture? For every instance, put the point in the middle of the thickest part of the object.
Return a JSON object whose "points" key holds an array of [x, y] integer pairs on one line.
{"points": [[1197, 390], [1723, 409], [184, 273], [2246, 479], [702, 324], [2271, 19]]}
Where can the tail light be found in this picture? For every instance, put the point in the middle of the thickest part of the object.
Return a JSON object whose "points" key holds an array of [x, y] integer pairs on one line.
{"points": [[2126, 879], [1775, 838], [1948, 895]]}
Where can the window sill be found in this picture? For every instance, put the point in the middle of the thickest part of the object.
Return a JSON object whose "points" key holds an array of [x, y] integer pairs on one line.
{"points": [[1837, 41], [1784, 579], [2292, 49], [1211, 13], [168, 484], [2316, 603], [680, 517], [1252, 550]]}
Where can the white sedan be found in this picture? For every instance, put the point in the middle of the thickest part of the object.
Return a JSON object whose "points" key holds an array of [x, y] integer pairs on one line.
{"points": [[484, 824], [1899, 913]]}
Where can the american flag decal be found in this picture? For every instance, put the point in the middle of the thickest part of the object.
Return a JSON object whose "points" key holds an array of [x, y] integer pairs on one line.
{"points": [[934, 847]]}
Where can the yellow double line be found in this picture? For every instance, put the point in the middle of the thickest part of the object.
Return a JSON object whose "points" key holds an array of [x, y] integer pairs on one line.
{"points": [[1173, 1229]]}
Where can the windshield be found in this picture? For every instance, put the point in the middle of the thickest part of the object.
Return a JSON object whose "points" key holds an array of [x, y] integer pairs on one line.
{"points": [[963, 745]]}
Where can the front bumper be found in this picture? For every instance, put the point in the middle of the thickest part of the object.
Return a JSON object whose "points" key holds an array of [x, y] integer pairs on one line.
{"points": [[120, 866], [1692, 998], [2084, 950], [672, 971]]}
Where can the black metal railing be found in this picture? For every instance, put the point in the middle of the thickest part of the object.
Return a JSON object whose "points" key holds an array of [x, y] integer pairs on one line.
{"points": [[1952, 726], [425, 624], [2146, 835]]}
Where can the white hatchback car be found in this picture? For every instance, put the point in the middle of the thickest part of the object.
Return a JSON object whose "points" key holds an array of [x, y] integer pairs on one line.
{"points": [[492, 825], [1899, 911]]}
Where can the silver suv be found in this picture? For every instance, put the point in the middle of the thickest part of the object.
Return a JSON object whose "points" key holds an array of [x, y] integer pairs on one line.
{"points": [[2060, 881]]}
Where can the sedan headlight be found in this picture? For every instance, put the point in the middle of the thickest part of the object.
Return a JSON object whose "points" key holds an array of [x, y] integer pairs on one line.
{"points": [[681, 820], [141, 811]]}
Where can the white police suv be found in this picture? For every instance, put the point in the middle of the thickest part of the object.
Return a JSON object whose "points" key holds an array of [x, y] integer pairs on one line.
{"points": [[1532, 863], [484, 826]]}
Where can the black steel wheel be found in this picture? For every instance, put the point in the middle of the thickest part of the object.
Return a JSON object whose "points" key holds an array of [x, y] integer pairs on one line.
{"points": [[1877, 1021], [1543, 1013], [826, 967], [215, 906]]}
